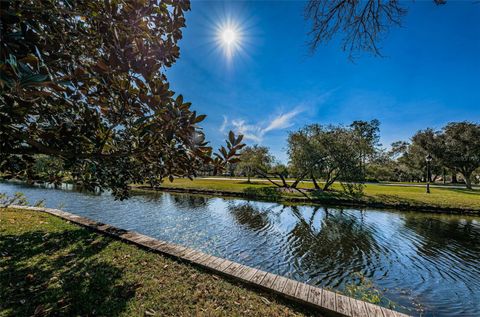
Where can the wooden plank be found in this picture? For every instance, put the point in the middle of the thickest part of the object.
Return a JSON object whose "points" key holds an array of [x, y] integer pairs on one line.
{"points": [[315, 296], [200, 255], [195, 256], [392, 313], [139, 238], [162, 246], [222, 266], [231, 269], [246, 273], [104, 227], [183, 251], [268, 280], [127, 236], [215, 262], [151, 243], [373, 310], [178, 249], [328, 300], [209, 261], [302, 291], [358, 308], [189, 254], [201, 259], [240, 271], [157, 245], [399, 314], [132, 236], [343, 305], [387, 312], [169, 249], [258, 277], [279, 283], [290, 287]]}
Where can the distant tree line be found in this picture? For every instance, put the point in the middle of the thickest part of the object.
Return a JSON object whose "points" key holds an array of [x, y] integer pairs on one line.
{"points": [[352, 155]]}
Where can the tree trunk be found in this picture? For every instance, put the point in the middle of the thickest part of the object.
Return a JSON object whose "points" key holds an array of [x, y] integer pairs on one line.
{"points": [[284, 182], [454, 178], [298, 180], [329, 180], [314, 182], [468, 180]]}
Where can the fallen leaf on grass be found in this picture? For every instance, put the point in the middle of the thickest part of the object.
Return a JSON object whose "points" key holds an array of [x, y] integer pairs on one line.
{"points": [[266, 301], [39, 311], [29, 277]]}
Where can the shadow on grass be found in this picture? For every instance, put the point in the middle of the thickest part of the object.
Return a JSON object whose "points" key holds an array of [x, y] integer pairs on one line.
{"points": [[254, 183], [59, 274], [391, 199], [334, 195], [475, 192]]}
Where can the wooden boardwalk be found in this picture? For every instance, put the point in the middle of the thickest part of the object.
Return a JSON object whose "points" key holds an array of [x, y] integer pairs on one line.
{"points": [[326, 301]]}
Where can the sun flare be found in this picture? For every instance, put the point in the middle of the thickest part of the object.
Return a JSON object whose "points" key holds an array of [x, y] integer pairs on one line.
{"points": [[229, 36], [229, 39]]}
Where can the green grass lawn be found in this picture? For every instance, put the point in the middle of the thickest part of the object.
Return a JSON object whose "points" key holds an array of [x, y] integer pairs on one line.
{"points": [[49, 267], [373, 193]]}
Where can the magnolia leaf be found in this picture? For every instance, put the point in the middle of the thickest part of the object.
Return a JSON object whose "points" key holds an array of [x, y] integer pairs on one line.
{"points": [[231, 137], [200, 118]]}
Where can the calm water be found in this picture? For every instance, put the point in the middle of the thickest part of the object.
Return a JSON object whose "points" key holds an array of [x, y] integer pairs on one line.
{"points": [[427, 264]]}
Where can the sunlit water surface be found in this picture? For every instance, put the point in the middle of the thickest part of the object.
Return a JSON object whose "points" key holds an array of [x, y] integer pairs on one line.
{"points": [[426, 264]]}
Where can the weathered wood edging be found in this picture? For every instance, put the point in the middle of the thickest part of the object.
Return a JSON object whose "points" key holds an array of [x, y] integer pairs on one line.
{"points": [[323, 201], [326, 301]]}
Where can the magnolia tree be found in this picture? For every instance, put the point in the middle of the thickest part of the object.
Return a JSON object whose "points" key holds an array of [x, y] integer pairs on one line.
{"points": [[84, 82]]}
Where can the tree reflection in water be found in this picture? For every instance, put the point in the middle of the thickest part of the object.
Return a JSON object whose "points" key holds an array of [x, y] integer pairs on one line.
{"points": [[327, 246], [333, 245], [250, 216], [444, 238], [189, 202]]}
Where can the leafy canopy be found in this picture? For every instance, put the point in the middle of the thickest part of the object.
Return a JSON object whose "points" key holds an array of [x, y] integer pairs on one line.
{"points": [[254, 160], [329, 153], [84, 81]]}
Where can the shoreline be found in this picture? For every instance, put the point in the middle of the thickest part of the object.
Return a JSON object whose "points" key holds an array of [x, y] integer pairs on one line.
{"points": [[314, 201]]}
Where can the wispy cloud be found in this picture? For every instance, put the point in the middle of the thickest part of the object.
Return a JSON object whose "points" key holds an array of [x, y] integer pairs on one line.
{"points": [[250, 132], [224, 124], [282, 121], [256, 132]]}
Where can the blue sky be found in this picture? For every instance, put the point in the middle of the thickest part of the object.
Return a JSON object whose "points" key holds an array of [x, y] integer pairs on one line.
{"points": [[272, 85]]}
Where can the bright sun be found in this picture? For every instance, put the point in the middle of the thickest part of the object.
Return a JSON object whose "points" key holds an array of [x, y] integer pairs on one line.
{"points": [[229, 36], [229, 39]]}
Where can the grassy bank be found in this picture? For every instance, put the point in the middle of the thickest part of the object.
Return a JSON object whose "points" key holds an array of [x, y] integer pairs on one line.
{"points": [[440, 199], [49, 267]]}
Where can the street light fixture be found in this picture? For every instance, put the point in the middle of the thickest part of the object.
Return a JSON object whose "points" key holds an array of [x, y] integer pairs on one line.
{"points": [[428, 158]]}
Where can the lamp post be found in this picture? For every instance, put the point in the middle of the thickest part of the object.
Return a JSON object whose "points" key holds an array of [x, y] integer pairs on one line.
{"points": [[428, 158]]}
